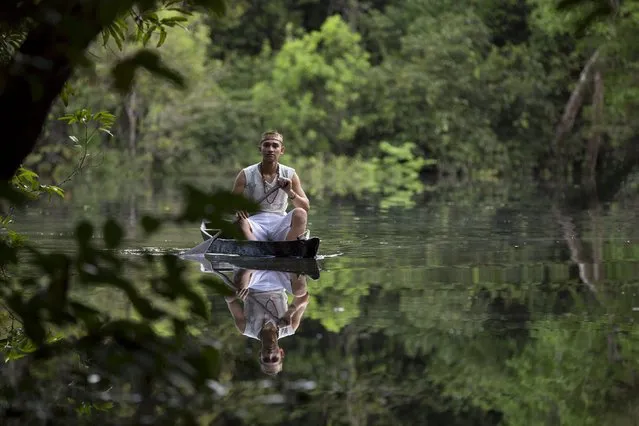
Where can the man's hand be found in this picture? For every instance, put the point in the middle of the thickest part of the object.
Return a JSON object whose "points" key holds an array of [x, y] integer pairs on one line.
{"points": [[242, 293], [241, 218], [286, 184], [285, 320]]}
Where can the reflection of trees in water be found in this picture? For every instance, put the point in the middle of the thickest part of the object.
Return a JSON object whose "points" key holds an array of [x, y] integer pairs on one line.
{"points": [[519, 336]]}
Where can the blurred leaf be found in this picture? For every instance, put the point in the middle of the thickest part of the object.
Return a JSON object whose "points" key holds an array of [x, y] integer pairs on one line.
{"points": [[217, 286], [88, 315], [141, 304], [104, 118], [174, 19], [58, 289], [150, 224], [124, 72], [217, 206], [216, 6], [116, 37], [198, 304], [113, 234], [206, 363], [11, 194], [34, 329], [84, 232], [8, 254]]}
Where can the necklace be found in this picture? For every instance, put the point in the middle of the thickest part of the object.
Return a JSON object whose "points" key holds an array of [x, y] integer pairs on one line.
{"points": [[277, 173]]}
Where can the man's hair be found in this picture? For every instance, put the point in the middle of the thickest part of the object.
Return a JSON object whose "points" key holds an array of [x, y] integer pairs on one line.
{"points": [[272, 135]]}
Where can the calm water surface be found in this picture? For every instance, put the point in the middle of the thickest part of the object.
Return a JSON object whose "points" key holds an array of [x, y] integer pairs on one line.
{"points": [[451, 312]]}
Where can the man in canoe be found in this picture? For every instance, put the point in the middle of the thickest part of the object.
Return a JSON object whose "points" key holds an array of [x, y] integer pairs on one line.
{"points": [[261, 310], [272, 222]]}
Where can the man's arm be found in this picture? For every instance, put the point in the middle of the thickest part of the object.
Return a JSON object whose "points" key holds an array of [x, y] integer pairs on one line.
{"points": [[240, 183], [297, 195], [298, 307], [237, 311], [241, 280], [300, 301]]}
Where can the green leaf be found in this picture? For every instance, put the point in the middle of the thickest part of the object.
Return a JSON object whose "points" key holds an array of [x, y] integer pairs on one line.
{"points": [[105, 37], [148, 34], [162, 37], [116, 37], [124, 71], [174, 19], [67, 91], [53, 190], [113, 234], [140, 32], [69, 118]]}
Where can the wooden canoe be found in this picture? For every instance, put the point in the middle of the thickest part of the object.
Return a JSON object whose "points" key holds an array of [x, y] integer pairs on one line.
{"points": [[215, 244], [309, 267]]}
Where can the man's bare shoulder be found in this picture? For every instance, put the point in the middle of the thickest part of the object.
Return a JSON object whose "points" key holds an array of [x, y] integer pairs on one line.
{"points": [[240, 182]]}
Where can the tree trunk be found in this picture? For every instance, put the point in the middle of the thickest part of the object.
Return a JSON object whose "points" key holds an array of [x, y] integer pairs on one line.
{"points": [[575, 102], [592, 150], [578, 252], [131, 107], [33, 80]]}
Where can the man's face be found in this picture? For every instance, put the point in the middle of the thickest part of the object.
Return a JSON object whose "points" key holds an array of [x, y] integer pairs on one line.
{"points": [[272, 356], [271, 150]]}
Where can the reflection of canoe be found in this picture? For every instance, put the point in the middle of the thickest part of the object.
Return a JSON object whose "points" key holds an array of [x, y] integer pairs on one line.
{"points": [[213, 243], [308, 267]]}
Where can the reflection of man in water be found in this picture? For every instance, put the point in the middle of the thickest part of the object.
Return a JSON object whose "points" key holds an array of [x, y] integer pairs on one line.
{"points": [[266, 314]]}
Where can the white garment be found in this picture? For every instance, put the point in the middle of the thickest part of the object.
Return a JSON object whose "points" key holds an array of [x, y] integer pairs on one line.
{"points": [[267, 302], [256, 187], [271, 226]]}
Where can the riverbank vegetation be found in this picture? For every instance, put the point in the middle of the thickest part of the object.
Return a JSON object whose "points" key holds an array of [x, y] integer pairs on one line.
{"points": [[373, 97], [483, 90]]}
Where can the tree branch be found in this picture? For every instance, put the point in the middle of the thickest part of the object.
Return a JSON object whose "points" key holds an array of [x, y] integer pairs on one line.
{"points": [[38, 71]]}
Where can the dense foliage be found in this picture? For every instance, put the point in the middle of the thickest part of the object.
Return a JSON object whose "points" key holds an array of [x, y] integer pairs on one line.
{"points": [[371, 96], [479, 87]]}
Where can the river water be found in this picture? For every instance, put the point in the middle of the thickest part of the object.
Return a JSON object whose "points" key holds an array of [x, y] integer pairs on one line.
{"points": [[468, 308]]}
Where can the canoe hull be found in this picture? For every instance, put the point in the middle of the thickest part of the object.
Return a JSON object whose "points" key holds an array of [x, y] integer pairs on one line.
{"points": [[302, 248], [220, 262]]}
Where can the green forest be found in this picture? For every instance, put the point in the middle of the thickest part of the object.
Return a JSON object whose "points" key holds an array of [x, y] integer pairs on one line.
{"points": [[482, 90], [108, 106]]}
